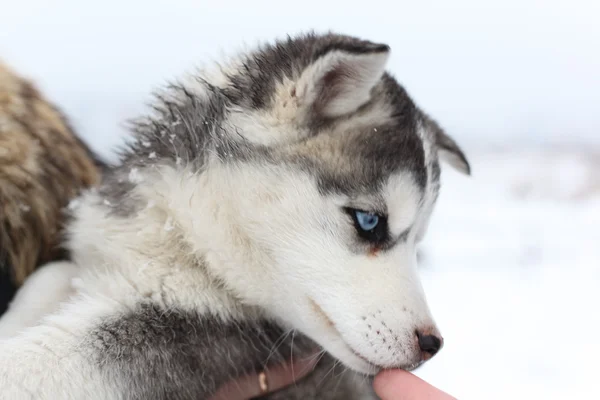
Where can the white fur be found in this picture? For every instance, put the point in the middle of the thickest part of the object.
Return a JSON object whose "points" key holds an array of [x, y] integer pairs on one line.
{"points": [[41, 294], [427, 206], [46, 362]]}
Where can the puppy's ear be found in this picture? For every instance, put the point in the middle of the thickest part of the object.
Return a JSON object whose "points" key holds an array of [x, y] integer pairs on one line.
{"points": [[448, 149], [339, 81]]}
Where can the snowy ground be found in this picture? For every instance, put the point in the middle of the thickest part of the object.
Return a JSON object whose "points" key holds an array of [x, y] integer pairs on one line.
{"points": [[512, 271], [512, 261]]}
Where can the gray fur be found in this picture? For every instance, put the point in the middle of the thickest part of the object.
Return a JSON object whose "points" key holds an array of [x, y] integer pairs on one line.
{"points": [[188, 129], [158, 354], [264, 68]]}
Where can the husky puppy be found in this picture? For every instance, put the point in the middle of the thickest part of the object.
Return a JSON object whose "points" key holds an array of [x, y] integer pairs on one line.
{"points": [[43, 165], [264, 207]]}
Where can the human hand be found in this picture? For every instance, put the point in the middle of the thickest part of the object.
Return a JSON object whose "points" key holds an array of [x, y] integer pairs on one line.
{"points": [[267, 381], [397, 384], [389, 385]]}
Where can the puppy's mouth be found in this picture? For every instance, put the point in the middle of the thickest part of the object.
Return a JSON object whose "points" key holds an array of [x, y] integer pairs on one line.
{"points": [[331, 324]]}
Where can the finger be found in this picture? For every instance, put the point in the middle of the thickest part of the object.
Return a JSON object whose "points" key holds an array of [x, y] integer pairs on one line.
{"points": [[401, 385], [277, 377]]}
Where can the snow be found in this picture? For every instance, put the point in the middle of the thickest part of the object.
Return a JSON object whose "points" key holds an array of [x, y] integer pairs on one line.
{"points": [[513, 279], [135, 176], [511, 261], [74, 204], [168, 226]]}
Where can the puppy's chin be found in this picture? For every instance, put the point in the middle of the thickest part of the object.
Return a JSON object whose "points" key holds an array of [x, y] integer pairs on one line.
{"points": [[324, 332], [340, 350]]}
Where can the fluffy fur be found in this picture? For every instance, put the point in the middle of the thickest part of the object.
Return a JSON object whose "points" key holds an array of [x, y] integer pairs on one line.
{"points": [[43, 165], [225, 240]]}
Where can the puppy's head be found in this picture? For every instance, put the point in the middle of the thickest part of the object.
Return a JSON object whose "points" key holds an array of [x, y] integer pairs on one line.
{"points": [[339, 179], [318, 176]]}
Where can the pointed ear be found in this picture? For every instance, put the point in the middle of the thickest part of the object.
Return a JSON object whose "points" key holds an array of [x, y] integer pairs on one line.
{"points": [[340, 81], [448, 150]]}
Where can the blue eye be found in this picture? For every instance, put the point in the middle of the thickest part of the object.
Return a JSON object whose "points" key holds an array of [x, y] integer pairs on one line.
{"points": [[369, 226], [366, 221]]}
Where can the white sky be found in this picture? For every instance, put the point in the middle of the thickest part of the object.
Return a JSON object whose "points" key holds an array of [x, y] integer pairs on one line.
{"points": [[492, 72]]}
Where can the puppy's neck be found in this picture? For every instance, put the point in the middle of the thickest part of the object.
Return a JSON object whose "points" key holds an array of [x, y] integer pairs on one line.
{"points": [[168, 248]]}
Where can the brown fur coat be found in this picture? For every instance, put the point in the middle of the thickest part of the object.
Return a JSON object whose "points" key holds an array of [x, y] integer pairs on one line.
{"points": [[43, 164]]}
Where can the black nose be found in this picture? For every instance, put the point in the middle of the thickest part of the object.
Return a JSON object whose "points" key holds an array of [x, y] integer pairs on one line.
{"points": [[429, 344]]}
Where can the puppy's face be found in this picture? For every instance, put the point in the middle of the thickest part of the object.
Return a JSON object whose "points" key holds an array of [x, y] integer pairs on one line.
{"points": [[338, 205], [342, 265]]}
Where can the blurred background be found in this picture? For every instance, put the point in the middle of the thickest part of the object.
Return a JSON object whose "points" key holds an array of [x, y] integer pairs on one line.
{"points": [[511, 264]]}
